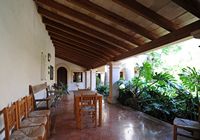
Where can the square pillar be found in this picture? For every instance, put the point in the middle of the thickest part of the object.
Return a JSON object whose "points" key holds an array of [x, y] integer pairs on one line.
{"points": [[93, 79], [114, 76]]}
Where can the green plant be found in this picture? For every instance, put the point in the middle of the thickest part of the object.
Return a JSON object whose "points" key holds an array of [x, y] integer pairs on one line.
{"points": [[190, 78], [160, 95], [103, 89], [98, 81]]}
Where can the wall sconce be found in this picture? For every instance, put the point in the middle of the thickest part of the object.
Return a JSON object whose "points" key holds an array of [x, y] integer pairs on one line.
{"points": [[49, 57]]}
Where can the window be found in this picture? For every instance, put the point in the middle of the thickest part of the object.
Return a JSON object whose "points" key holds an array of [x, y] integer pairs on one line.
{"points": [[77, 77]]}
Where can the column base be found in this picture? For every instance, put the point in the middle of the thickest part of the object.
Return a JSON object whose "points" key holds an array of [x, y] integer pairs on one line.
{"points": [[112, 100]]}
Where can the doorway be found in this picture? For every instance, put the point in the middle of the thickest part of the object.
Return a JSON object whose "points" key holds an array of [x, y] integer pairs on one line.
{"points": [[61, 76]]}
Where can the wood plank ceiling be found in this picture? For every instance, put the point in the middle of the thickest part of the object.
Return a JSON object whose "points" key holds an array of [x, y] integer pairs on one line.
{"points": [[91, 33]]}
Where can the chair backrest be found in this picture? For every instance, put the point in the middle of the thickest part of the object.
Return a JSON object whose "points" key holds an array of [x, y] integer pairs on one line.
{"points": [[2, 127], [29, 103], [10, 119], [36, 89], [22, 110], [88, 99], [86, 89]]}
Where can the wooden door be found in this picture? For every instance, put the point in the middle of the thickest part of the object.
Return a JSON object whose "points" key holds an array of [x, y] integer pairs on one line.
{"points": [[62, 75]]}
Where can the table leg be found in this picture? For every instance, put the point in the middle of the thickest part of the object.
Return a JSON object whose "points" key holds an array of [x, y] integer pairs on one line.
{"points": [[174, 133], [100, 111], [77, 113]]}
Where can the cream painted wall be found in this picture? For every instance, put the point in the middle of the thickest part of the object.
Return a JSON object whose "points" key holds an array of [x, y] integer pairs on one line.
{"points": [[22, 39], [70, 69]]}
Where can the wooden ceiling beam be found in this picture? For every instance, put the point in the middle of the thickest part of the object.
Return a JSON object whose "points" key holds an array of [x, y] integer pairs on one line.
{"points": [[147, 13], [169, 38], [85, 36], [76, 43], [87, 19], [70, 53], [100, 11], [58, 55], [80, 40], [80, 50], [192, 6], [76, 55]]}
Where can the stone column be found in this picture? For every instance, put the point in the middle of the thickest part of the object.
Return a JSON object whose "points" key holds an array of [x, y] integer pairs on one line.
{"points": [[106, 75], [129, 69], [87, 79], [93, 79], [114, 76]]}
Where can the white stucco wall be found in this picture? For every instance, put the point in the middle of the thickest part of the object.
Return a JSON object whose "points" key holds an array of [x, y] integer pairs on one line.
{"points": [[70, 69], [22, 39]]}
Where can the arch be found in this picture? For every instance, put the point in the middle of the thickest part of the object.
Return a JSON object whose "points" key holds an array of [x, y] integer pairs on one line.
{"points": [[68, 71], [62, 75]]}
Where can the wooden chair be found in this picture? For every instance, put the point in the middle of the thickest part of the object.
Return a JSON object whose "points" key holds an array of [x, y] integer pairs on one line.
{"points": [[88, 106], [12, 130], [2, 128], [31, 113], [25, 121], [187, 128], [46, 102], [86, 89]]}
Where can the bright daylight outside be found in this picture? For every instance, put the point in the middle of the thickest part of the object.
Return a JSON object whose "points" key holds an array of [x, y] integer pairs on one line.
{"points": [[166, 82]]}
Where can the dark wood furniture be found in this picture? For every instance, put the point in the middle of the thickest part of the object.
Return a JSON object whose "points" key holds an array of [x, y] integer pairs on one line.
{"points": [[31, 113], [77, 99], [88, 108], [11, 125], [44, 102], [25, 121]]}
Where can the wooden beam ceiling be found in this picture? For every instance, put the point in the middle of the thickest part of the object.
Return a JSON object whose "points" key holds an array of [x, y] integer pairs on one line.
{"points": [[87, 19], [83, 39], [97, 10], [147, 13], [70, 53], [80, 27], [83, 35], [193, 6], [70, 41], [65, 46], [171, 37]]}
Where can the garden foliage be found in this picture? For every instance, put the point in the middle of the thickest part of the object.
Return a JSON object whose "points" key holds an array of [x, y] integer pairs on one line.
{"points": [[161, 95]]}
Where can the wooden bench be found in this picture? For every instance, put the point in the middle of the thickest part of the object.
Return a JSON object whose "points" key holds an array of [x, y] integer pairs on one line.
{"points": [[41, 97], [187, 128]]}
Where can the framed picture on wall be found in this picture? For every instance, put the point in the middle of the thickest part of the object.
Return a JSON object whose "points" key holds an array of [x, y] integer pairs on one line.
{"points": [[51, 72], [77, 77]]}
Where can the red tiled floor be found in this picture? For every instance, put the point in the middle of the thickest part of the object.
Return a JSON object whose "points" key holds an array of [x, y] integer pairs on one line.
{"points": [[119, 123]]}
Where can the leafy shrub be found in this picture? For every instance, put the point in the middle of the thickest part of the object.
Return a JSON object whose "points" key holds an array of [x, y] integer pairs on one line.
{"points": [[103, 89], [160, 95]]}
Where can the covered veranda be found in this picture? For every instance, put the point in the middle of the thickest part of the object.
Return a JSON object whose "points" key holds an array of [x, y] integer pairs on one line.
{"points": [[40, 36]]}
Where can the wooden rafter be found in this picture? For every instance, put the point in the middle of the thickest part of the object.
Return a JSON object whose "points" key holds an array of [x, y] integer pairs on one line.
{"points": [[171, 37], [80, 40], [87, 19], [58, 55], [80, 50], [114, 18], [76, 55], [77, 43], [147, 13], [75, 25], [193, 6], [73, 53], [85, 36]]}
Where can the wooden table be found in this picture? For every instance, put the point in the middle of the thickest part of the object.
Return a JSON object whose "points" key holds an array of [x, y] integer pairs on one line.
{"points": [[77, 98]]}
